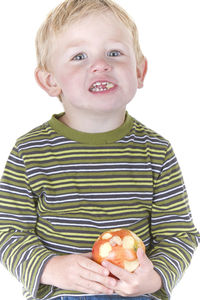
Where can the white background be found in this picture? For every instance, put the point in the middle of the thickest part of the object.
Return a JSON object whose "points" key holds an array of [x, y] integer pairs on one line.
{"points": [[168, 103]]}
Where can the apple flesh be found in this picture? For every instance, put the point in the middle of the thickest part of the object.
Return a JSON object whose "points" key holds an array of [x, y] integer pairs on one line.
{"points": [[119, 246]]}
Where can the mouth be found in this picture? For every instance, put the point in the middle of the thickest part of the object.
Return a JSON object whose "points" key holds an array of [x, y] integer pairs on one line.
{"points": [[101, 86]]}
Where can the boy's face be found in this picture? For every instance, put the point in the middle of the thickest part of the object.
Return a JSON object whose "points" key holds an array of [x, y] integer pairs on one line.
{"points": [[94, 65]]}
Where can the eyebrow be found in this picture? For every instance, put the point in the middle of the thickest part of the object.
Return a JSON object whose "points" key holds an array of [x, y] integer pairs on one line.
{"points": [[78, 43]]}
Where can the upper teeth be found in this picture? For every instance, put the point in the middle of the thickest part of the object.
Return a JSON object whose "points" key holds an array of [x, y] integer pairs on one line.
{"points": [[101, 86]]}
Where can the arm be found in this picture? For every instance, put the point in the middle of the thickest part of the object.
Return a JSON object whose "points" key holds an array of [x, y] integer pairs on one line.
{"points": [[144, 280], [21, 251], [174, 236], [174, 239], [79, 273]]}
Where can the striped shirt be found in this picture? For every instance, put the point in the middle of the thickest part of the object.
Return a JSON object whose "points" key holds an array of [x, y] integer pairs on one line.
{"points": [[62, 188]]}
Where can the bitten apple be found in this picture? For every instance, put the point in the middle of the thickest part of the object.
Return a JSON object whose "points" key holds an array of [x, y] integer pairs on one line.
{"points": [[119, 246]]}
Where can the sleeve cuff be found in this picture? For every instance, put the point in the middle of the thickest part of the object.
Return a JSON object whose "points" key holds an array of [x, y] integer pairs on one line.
{"points": [[32, 289], [164, 293]]}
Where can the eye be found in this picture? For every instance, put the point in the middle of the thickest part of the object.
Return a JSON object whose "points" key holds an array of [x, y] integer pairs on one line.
{"points": [[80, 56], [114, 53]]}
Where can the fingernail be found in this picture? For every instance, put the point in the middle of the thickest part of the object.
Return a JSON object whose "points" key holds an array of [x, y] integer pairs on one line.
{"points": [[103, 263], [140, 250], [106, 272], [113, 282]]}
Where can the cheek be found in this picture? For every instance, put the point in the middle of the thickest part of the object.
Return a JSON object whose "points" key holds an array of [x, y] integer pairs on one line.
{"points": [[130, 84], [132, 81], [128, 74], [69, 80]]}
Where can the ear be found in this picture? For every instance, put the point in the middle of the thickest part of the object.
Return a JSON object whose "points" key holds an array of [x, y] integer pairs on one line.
{"points": [[141, 72], [47, 82]]}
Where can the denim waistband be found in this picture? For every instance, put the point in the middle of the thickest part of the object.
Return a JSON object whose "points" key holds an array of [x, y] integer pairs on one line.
{"points": [[102, 297]]}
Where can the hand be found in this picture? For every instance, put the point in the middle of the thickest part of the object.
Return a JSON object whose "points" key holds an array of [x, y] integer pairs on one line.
{"points": [[79, 273], [145, 280]]}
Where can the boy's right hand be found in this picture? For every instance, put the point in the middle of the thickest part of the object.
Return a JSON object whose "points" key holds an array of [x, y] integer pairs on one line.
{"points": [[79, 273]]}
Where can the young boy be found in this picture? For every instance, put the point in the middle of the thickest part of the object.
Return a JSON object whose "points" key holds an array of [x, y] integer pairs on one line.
{"points": [[92, 168]]}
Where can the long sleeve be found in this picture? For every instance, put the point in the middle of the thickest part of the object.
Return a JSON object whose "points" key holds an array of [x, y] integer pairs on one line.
{"points": [[21, 251], [174, 235], [60, 190]]}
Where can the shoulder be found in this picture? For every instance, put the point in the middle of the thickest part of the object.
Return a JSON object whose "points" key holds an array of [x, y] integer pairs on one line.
{"points": [[143, 134], [35, 134], [152, 145], [38, 137]]}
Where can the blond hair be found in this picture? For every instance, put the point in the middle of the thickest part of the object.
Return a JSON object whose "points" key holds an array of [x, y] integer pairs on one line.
{"points": [[71, 11]]}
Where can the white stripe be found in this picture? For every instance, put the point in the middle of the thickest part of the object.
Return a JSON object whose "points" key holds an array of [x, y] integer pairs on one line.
{"points": [[43, 145], [80, 198], [171, 260], [86, 170], [188, 216], [18, 220], [16, 193], [63, 246], [153, 140], [180, 242], [182, 186], [171, 221], [165, 280], [95, 165], [15, 164], [168, 197]]}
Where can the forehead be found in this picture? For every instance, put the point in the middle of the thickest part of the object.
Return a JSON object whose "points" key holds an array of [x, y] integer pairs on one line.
{"points": [[95, 27]]}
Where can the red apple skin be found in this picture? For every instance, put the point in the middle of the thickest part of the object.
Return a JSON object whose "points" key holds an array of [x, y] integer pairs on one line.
{"points": [[114, 250]]}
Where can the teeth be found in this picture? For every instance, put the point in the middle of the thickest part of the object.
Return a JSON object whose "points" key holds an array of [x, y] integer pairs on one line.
{"points": [[109, 85], [101, 86]]}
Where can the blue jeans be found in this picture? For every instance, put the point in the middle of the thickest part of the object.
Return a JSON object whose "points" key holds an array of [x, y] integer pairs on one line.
{"points": [[103, 297]]}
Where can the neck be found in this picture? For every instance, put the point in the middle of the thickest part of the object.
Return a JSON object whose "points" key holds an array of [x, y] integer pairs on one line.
{"points": [[94, 123]]}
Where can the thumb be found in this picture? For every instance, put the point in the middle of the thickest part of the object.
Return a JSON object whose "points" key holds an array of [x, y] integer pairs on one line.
{"points": [[142, 258], [88, 255]]}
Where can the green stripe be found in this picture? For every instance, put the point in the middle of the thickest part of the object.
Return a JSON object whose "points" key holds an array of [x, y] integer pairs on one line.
{"points": [[46, 221]]}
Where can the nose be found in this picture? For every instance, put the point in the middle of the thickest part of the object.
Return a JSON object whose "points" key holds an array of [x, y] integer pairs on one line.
{"points": [[101, 66]]}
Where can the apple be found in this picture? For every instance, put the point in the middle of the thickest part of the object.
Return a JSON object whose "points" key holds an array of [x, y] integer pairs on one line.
{"points": [[119, 246]]}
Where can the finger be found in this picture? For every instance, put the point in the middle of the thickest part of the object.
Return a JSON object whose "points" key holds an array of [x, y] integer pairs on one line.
{"points": [[143, 259], [120, 293], [120, 273], [106, 281], [93, 266], [88, 286], [140, 254], [88, 255]]}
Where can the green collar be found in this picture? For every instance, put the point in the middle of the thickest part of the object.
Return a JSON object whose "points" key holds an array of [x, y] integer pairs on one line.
{"points": [[91, 138]]}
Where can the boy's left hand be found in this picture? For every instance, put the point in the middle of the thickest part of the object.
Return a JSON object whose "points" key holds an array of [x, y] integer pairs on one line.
{"points": [[144, 280]]}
